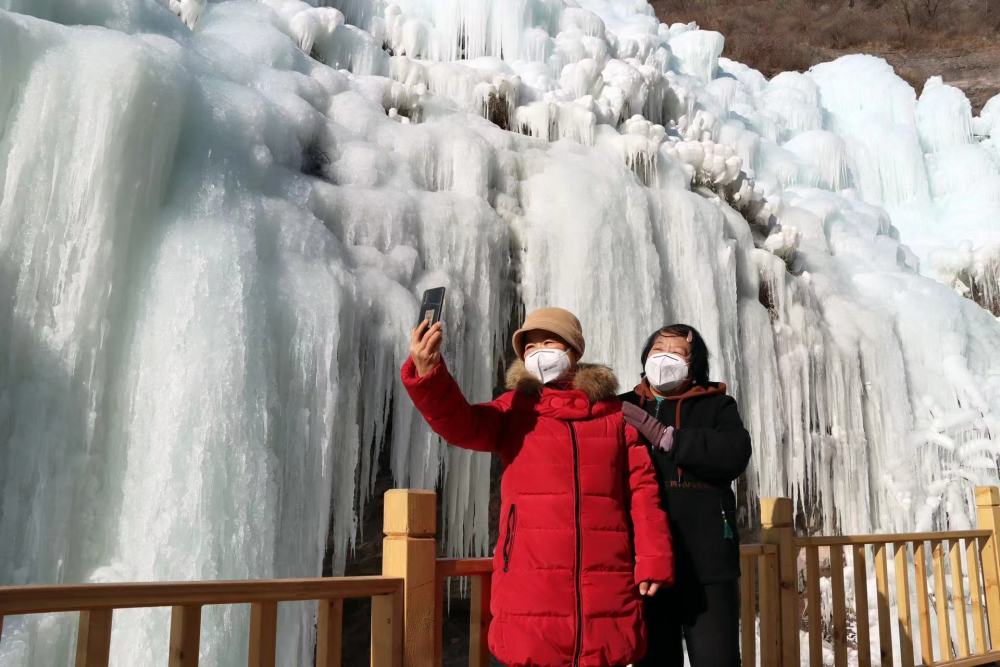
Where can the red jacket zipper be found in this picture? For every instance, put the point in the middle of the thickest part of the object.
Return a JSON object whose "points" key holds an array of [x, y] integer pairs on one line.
{"points": [[578, 647]]}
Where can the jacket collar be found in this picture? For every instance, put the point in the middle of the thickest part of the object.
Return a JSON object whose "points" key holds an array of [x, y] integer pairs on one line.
{"points": [[590, 393], [644, 391], [695, 391]]}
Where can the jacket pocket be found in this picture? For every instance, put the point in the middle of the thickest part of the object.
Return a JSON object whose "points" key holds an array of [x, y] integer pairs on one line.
{"points": [[508, 542]]}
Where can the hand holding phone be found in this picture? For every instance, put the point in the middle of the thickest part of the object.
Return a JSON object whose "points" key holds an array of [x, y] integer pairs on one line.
{"points": [[425, 339], [425, 346]]}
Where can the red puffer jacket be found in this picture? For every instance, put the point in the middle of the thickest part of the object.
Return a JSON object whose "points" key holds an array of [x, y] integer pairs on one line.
{"points": [[580, 517]]}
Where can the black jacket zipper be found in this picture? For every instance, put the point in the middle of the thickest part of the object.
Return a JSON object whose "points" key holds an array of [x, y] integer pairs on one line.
{"points": [[578, 648], [508, 542]]}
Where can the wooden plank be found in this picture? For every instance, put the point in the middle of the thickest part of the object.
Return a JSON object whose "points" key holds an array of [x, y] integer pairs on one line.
{"points": [[923, 602], [463, 567], [974, 661], [748, 609], [903, 607], [398, 632], [263, 634], [814, 607], [941, 600], [414, 558], [757, 549], [776, 528], [839, 607], [861, 606], [387, 630], [409, 550], [888, 538], [479, 621], [1, 626], [93, 638], [329, 633], [958, 598], [991, 588], [882, 591], [988, 518], [185, 636], [15, 600], [409, 513], [770, 613], [975, 594], [440, 588], [381, 628]]}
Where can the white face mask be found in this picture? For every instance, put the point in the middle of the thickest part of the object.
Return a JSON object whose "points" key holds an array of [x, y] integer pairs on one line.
{"points": [[666, 371], [547, 364]]}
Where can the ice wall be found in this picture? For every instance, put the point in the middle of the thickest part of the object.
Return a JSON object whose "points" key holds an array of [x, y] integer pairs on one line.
{"points": [[933, 166], [216, 218]]}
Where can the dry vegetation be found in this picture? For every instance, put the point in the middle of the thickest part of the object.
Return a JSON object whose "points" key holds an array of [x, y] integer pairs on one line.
{"points": [[959, 39]]}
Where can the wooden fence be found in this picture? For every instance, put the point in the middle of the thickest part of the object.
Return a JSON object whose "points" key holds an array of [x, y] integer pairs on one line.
{"points": [[780, 595], [940, 584], [96, 604]]}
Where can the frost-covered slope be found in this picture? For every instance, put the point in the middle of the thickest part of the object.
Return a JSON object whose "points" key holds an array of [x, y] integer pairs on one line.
{"points": [[211, 242]]}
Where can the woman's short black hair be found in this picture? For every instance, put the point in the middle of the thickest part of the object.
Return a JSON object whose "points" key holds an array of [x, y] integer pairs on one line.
{"points": [[699, 351]]}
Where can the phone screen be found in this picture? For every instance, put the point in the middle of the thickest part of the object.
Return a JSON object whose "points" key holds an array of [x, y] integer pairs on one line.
{"points": [[431, 305]]}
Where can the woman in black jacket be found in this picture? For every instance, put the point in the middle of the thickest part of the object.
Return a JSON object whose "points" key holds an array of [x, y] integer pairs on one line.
{"points": [[699, 447]]}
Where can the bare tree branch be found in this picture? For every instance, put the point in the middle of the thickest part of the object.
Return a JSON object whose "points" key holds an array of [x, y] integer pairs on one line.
{"points": [[993, 14], [905, 6]]}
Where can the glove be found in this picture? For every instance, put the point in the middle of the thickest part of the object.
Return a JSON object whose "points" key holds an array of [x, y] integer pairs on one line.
{"points": [[658, 435]]}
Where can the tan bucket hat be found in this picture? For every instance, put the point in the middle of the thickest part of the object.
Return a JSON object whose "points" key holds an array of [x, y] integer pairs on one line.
{"points": [[557, 320]]}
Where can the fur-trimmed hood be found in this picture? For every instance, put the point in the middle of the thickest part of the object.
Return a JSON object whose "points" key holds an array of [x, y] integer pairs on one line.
{"points": [[598, 382]]}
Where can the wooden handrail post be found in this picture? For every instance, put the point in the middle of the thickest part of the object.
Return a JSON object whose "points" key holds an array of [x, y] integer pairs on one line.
{"points": [[776, 528], [387, 630], [185, 636], [93, 638], [988, 518], [769, 610], [329, 633], [409, 551], [263, 634], [479, 621]]}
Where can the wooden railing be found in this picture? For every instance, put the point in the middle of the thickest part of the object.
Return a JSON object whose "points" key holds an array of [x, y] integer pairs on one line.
{"points": [[760, 611], [96, 604], [781, 595], [480, 570], [758, 588], [775, 587], [963, 567], [908, 553]]}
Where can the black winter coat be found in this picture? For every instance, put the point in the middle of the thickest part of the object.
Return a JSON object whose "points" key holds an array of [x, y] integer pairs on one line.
{"points": [[711, 449]]}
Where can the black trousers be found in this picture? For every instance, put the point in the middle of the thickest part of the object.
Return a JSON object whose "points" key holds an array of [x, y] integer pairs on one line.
{"points": [[706, 617]]}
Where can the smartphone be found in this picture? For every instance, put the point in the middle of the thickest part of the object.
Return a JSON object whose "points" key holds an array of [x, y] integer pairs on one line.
{"points": [[431, 305]]}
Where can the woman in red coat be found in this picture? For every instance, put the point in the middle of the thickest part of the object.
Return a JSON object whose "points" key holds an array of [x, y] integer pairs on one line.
{"points": [[582, 533]]}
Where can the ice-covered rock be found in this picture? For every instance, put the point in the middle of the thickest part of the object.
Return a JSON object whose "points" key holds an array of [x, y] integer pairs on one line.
{"points": [[696, 53], [944, 116], [189, 11], [824, 159]]}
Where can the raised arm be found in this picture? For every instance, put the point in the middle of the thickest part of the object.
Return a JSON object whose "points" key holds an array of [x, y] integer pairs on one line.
{"points": [[654, 556], [439, 399]]}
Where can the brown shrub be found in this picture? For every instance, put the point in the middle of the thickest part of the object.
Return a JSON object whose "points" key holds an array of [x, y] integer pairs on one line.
{"points": [[778, 35]]}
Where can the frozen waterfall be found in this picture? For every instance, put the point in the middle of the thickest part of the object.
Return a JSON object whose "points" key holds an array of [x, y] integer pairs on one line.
{"points": [[216, 219]]}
